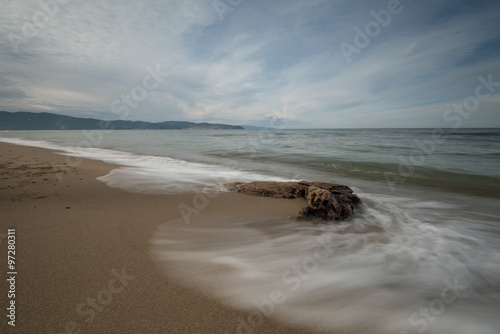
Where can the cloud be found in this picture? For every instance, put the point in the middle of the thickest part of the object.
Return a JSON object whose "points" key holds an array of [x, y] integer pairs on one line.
{"points": [[12, 93], [258, 57]]}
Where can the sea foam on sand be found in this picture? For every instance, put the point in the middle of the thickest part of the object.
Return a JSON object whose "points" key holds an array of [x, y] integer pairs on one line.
{"points": [[384, 271]]}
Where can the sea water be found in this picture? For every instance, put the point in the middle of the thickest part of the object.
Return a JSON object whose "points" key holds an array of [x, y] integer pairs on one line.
{"points": [[421, 255]]}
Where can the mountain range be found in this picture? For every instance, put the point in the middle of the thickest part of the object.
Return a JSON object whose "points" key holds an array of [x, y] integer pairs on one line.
{"points": [[48, 121]]}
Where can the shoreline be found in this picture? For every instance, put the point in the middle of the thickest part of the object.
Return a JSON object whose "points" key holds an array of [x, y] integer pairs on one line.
{"points": [[83, 252]]}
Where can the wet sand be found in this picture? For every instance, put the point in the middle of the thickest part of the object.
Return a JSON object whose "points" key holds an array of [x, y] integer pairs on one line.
{"points": [[83, 252]]}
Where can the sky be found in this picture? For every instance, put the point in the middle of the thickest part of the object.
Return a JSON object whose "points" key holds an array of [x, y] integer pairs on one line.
{"points": [[272, 63]]}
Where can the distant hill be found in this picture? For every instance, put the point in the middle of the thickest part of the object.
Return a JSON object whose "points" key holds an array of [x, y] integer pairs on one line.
{"points": [[47, 121], [252, 127]]}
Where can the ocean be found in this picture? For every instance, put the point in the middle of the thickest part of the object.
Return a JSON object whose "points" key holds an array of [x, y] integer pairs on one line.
{"points": [[422, 255]]}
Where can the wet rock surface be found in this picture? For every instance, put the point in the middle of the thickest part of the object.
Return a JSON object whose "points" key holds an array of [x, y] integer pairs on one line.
{"points": [[327, 201]]}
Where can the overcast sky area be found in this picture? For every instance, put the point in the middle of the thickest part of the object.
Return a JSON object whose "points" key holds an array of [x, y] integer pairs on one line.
{"points": [[252, 61]]}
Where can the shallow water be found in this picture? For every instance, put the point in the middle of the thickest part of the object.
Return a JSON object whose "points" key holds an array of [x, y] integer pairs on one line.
{"points": [[422, 255], [463, 160], [397, 266]]}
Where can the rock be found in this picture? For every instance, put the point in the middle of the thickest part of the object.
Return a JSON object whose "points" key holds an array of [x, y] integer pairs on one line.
{"points": [[327, 201], [321, 204]]}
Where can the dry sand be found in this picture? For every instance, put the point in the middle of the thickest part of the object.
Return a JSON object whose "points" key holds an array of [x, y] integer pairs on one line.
{"points": [[75, 239]]}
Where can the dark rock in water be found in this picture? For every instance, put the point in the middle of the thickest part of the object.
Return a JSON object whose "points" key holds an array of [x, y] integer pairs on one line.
{"points": [[328, 201]]}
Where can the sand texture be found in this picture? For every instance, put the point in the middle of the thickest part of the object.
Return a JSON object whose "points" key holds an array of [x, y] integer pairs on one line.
{"points": [[83, 252]]}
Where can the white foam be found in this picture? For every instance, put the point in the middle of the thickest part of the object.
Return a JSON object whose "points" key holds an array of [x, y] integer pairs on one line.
{"points": [[385, 264], [156, 174]]}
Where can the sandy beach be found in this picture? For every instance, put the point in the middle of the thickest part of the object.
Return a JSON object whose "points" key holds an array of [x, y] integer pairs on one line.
{"points": [[83, 254], [248, 167]]}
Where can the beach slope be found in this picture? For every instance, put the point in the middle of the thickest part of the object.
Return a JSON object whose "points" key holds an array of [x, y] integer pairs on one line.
{"points": [[83, 254]]}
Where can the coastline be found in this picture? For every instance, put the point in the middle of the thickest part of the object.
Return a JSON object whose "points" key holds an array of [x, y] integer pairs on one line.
{"points": [[83, 252]]}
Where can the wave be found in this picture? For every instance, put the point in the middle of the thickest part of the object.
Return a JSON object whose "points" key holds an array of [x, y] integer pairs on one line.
{"points": [[157, 174], [377, 273]]}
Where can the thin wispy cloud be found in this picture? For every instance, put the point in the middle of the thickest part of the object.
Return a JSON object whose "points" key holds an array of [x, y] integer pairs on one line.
{"points": [[241, 63]]}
